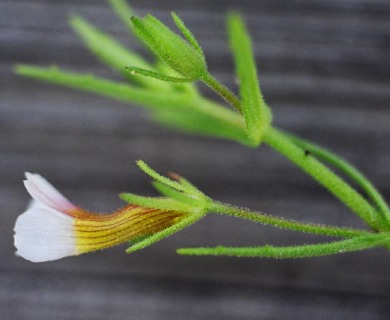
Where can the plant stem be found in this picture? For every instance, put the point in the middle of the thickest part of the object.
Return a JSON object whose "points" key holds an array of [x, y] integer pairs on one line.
{"points": [[302, 251], [259, 217], [337, 186], [350, 171], [223, 91]]}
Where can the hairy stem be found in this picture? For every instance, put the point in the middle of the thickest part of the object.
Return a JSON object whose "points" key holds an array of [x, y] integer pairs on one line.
{"points": [[337, 186], [302, 251], [266, 219], [350, 171], [223, 91]]}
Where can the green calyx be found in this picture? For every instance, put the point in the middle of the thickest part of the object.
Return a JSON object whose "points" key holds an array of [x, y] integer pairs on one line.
{"points": [[179, 194], [184, 57]]}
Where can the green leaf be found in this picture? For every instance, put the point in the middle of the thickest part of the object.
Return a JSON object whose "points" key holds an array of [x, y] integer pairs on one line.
{"points": [[112, 89], [176, 110], [257, 115], [302, 251], [111, 52]]}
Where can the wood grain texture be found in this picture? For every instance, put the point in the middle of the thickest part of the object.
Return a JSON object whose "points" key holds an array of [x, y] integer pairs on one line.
{"points": [[325, 71]]}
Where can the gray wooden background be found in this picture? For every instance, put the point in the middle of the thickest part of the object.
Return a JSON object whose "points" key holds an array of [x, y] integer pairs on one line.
{"points": [[324, 68]]}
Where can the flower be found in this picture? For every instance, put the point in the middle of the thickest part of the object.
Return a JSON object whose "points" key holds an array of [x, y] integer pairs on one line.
{"points": [[53, 228]]}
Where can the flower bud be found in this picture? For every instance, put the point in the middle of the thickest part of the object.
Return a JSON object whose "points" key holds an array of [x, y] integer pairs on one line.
{"points": [[179, 54]]}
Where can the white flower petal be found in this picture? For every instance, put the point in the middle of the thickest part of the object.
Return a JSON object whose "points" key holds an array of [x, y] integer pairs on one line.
{"points": [[42, 191], [43, 234]]}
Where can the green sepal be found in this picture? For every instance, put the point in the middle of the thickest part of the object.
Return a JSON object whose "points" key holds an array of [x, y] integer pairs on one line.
{"points": [[170, 47], [160, 178], [193, 202], [172, 188], [178, 200], [155, 203], [184, 182], [187, 34], [182, 224], [180, 195], [257, 115], [173, 194]]}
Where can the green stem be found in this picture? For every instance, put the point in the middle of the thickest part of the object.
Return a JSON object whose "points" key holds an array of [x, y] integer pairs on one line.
{"points": [[337, 186], [259, 217], [350, 171], [223, 91], [303, 251]]}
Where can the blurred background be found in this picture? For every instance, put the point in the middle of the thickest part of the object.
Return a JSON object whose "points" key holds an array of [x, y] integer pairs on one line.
{"points": [[324, 69]]}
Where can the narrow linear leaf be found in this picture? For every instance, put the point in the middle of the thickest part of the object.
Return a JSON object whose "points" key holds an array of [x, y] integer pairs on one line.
{"points": [[104, 46], [256, 112], [302, 251], [111, 52], [118, 90], [176, 110]]}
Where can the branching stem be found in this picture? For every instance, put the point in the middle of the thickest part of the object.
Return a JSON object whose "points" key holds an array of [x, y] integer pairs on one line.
{"points": [[323, 175]]}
